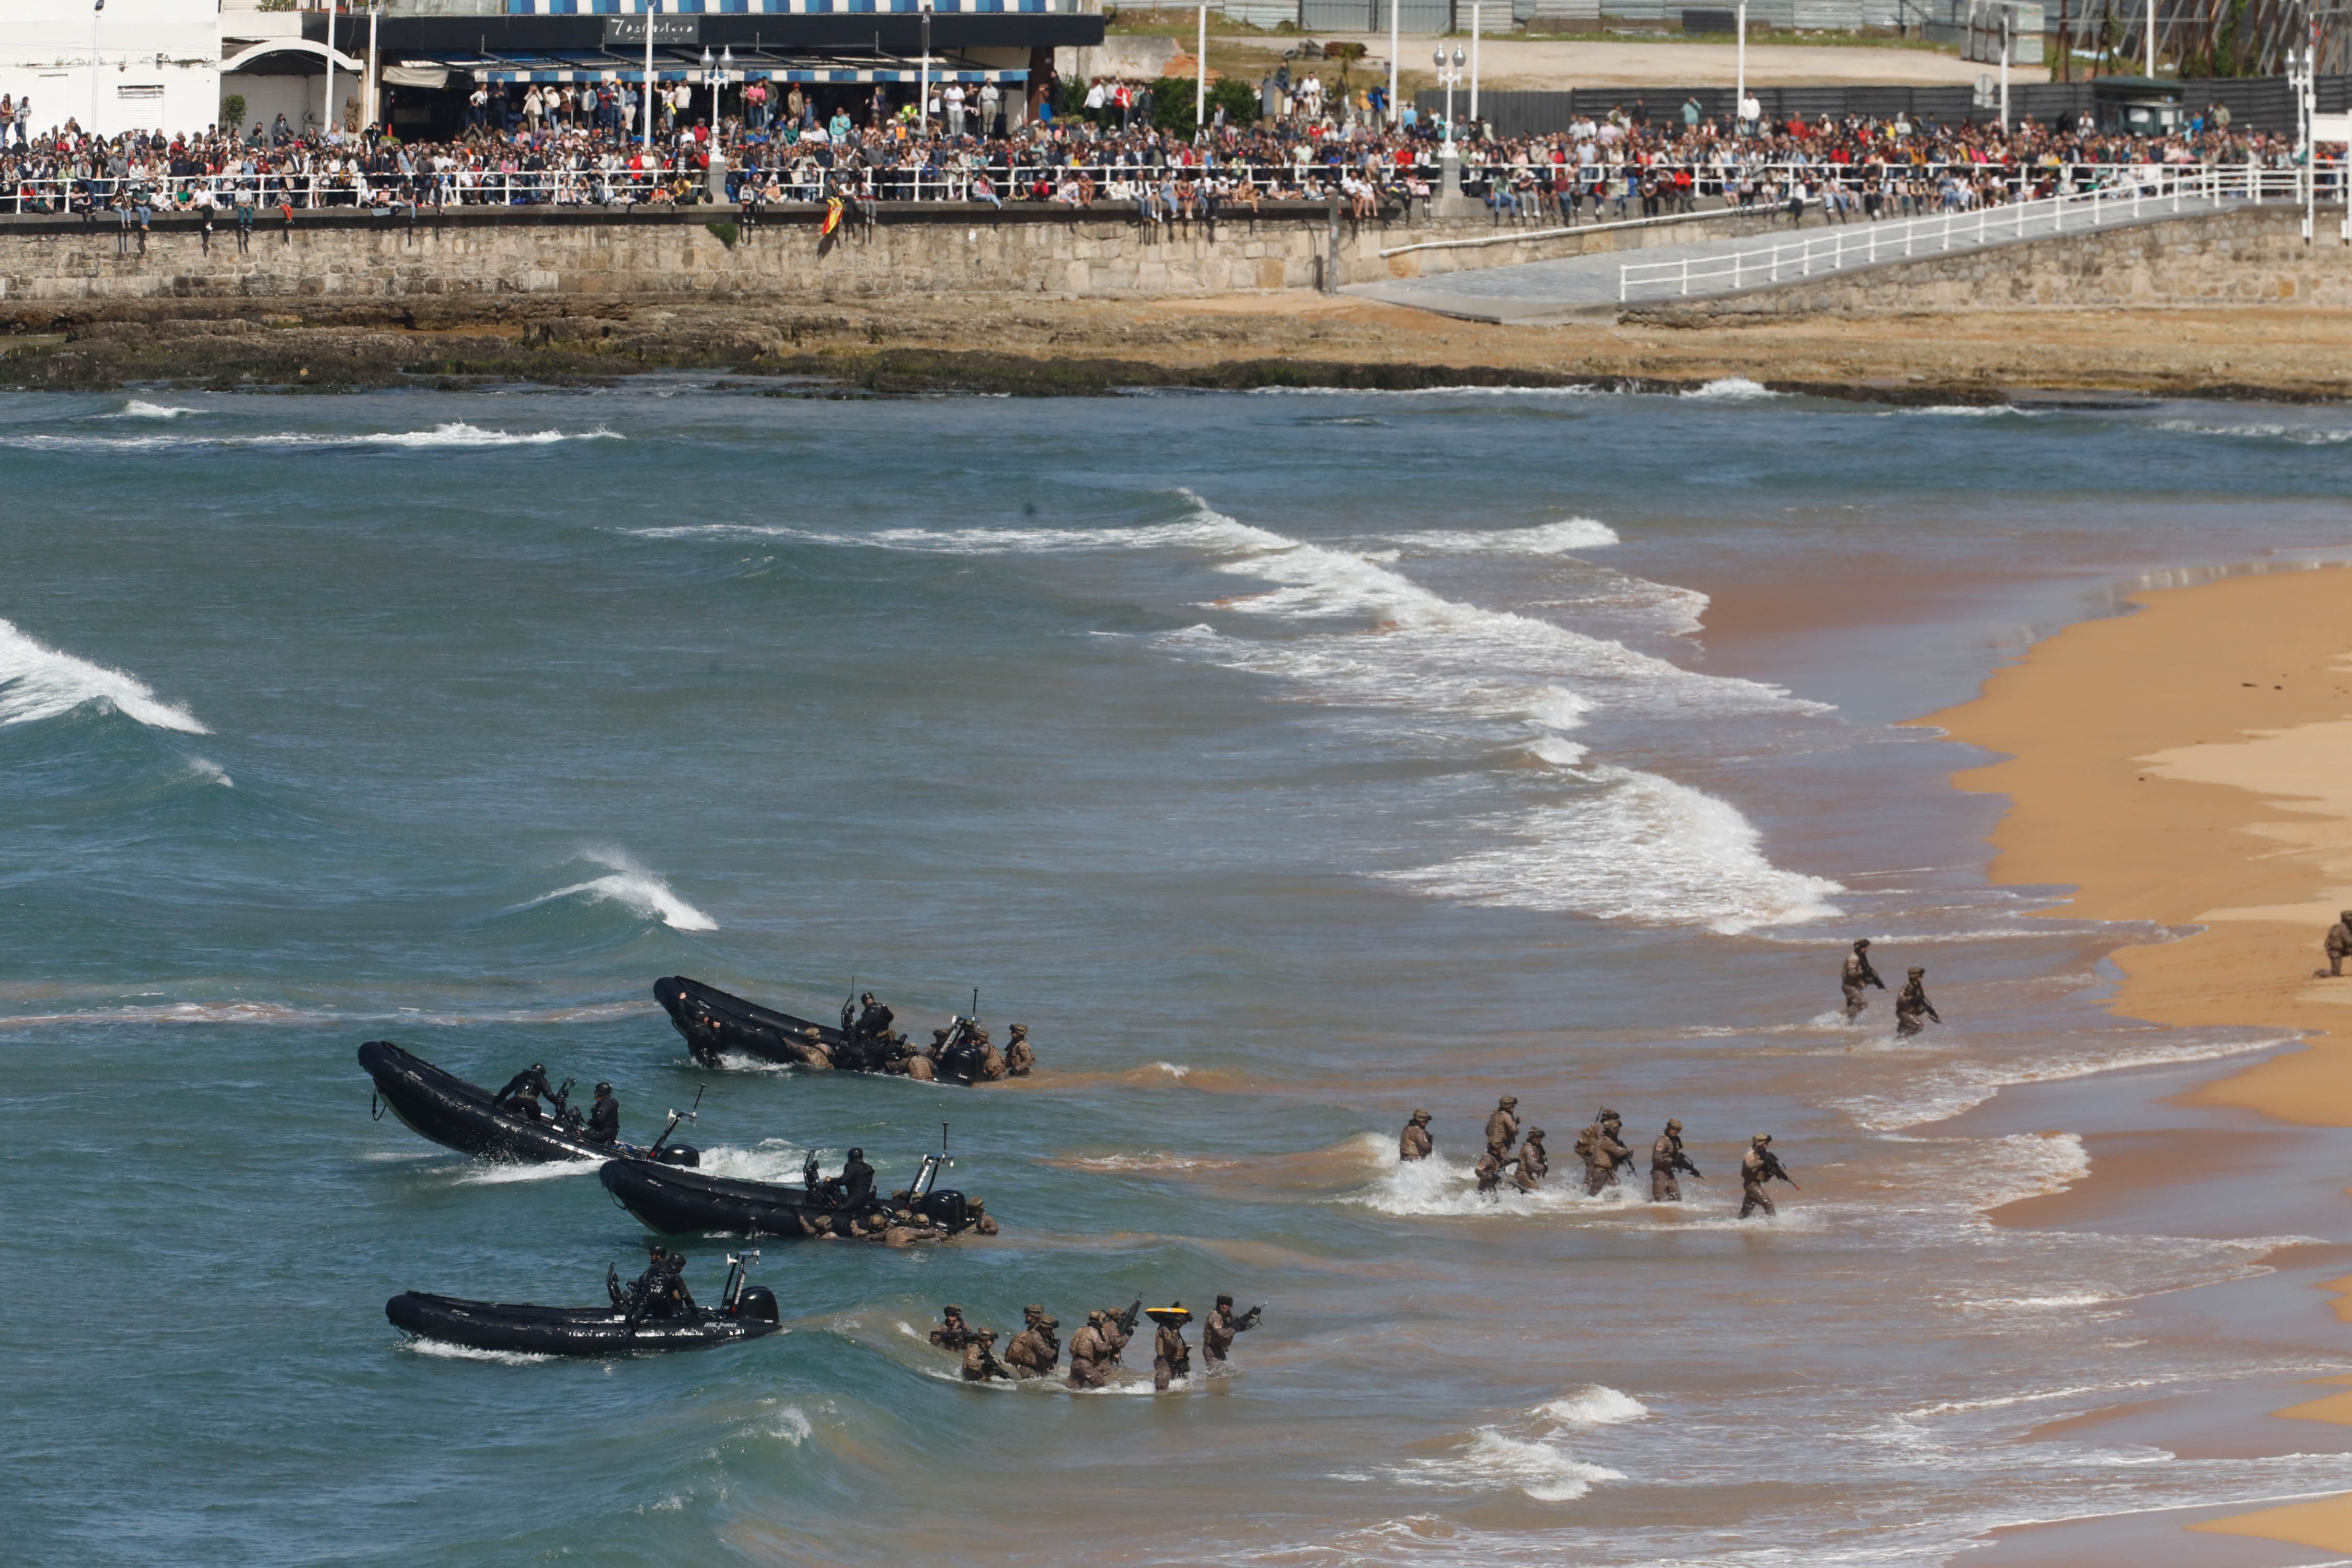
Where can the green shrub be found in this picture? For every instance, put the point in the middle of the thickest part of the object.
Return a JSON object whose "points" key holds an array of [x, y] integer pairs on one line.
{"points": [[232, 113], [725, 231]]}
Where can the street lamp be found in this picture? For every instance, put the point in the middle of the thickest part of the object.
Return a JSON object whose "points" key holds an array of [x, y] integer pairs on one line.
{"points": [[1451, 167], [653, 9], [95, 13]]}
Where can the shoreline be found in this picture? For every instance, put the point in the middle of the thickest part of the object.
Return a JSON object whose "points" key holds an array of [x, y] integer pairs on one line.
{"points": [[2177, 765], [1040, 346]]}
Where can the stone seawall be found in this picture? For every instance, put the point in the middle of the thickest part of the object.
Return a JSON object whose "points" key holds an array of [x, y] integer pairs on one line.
{"points": [[2252, 255], [53, 267]]}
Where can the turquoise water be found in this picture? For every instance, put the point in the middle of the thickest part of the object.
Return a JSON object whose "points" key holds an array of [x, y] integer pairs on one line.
{"points": [[1284, 761]]}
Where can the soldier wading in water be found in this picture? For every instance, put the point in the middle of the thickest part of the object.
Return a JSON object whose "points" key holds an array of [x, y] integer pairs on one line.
{"points": [[1171, 1358], [1602, 1151], [1666, 1159], [1855, 974], [1532, 1164], [1035, 1351], [1911, 1003], [1756, 1167], [1415, 1142], [1217, 1334]]}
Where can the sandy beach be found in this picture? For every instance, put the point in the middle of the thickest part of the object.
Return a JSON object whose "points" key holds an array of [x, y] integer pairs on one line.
{"points": [[2185, 765]]}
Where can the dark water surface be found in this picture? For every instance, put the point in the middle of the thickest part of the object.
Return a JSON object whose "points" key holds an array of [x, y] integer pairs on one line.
{"points": [[1284, 761]]}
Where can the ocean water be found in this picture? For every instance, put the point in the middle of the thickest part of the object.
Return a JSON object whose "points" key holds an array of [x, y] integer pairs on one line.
{"points": [[1285, 761]]}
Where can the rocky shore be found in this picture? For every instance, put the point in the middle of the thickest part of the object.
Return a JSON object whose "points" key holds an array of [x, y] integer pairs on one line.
{"points": [[1045, 346]]}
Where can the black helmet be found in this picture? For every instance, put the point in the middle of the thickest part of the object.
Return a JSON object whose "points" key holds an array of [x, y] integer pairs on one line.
{"points": [[865, 996], [858, 1154], [537, 1066], [603, 1089]]}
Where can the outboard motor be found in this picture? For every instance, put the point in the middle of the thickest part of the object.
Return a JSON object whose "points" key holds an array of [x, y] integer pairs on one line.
{"points": [[756, 1301], [947, 1207], [679, 1155]]}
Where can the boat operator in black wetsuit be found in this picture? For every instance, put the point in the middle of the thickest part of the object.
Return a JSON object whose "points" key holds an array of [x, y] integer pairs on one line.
{"points": [[521, 1096], [604, 1118]]}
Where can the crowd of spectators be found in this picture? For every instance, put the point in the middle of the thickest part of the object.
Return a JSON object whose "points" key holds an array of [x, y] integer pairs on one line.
{"points": [[1113, 145]]}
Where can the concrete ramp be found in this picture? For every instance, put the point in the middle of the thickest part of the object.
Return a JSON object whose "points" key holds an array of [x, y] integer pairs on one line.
{"points": [[1602, 285]]}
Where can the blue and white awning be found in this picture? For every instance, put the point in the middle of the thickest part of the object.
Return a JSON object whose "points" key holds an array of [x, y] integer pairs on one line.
{"points": [[789, 7]]}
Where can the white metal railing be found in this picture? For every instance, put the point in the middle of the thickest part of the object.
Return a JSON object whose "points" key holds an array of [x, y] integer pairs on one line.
{"points": [[1759, 188], [2154, 188]]}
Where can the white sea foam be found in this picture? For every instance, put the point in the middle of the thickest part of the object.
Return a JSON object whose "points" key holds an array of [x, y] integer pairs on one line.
{"points": [[456, 434], [1598, 1406], [1641, 848], [1440, 1187], [1547, 539], [37, 683], [791, 1425], [1504, 677], [442, 1350], [1493, 1460], [771, 1160], [211, 772], [1732, 389], [487, 1173], [631, 884], [137, 409], [2299, 435], [1946, 1090]]}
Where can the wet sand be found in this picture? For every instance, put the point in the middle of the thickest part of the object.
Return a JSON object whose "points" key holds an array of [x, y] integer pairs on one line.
{"points": [[2185, 765]]}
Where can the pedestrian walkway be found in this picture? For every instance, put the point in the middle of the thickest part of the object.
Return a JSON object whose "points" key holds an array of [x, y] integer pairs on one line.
{"points": [[1600, 284]]}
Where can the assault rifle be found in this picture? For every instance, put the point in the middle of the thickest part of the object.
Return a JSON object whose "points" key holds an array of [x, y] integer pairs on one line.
{"points": [[1125, 1322], [1682, 1162], [989, 1364], [1249, 1320], [564, 1117], [1775, 1172]]}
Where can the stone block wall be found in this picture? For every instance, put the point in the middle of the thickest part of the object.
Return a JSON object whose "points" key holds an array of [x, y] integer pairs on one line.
{"points": [[347, 258]]}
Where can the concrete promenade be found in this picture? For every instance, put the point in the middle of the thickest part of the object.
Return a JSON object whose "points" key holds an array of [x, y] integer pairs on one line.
{"points": [[1581, 286]]}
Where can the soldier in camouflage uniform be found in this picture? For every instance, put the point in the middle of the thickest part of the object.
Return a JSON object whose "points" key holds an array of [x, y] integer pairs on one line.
{"points": [[1855, 974]]}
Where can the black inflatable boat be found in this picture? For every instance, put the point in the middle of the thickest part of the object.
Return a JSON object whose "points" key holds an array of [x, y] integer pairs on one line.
{"points": [[690, 1203], [714, 1023], [747, 1312], [443, 1106]]}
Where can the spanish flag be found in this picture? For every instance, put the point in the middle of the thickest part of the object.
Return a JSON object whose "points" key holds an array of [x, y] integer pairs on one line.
{"points": [[832, 217]]}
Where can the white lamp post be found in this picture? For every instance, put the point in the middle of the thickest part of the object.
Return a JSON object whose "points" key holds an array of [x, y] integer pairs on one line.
{"points": [[1201, 76], [95, 13], [1395, 55], [327, 113], [923, 77], [1473, 65], [645, 90], [1451, 165], [1740, 100]]}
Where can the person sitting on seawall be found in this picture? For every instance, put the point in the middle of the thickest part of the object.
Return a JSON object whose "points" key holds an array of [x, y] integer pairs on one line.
{"points": [[604, 1118], [522, 1093]]}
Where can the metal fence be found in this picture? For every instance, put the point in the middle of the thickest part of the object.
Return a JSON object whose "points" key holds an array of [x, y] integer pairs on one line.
{"points": [[1516, 193], [2146, 192]]}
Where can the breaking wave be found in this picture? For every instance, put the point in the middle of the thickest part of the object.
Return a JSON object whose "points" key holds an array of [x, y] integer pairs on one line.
{"points": [[456, 434], [137, 409], [1641, 847], [1549, 538], [1732, 389], [1629, 846], [37, 683], [1491, 1459], [1598, 1406], [631, 884]]}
